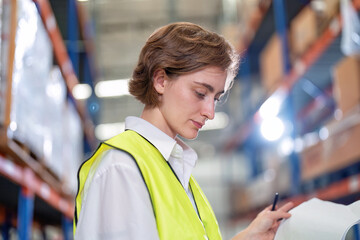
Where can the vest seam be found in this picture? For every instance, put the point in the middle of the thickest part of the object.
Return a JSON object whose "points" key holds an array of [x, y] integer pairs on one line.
{"points": [[78, 181], [195, 203]]}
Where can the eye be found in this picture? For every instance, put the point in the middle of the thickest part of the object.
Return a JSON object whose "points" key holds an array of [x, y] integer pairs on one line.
{"points": [[221, 99], [200, 94], [218, 98]]}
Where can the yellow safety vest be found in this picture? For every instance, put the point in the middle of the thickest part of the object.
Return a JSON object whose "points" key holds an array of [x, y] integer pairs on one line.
{"points": [[174, 213]]}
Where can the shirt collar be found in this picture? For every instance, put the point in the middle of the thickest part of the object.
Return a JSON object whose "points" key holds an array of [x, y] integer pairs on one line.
{"points": [[163, 142], [189, 155]]}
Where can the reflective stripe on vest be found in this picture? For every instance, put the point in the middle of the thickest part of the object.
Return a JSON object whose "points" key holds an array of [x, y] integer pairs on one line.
{"points": [[174, 213]]}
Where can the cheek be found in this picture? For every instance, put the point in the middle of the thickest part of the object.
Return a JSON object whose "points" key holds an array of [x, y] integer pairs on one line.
{"points": [[188, 103], [178, 97], [180, 101]]}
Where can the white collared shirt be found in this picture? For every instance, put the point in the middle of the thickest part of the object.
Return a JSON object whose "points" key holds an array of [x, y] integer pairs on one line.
{"points": [[117, 204]]}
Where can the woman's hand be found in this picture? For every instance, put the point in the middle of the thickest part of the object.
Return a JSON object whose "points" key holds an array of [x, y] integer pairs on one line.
{"points": [[265, 224]]}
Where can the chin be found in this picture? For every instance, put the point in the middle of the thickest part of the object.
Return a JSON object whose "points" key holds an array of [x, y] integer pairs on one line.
{"points": [[190, 135]]}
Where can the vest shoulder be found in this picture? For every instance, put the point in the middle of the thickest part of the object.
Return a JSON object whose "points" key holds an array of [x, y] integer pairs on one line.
{"points": [[114, 160], [132, 142], [124, 138]]}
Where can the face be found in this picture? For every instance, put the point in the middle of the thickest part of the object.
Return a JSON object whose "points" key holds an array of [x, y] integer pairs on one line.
{"points": [[189, 100]]}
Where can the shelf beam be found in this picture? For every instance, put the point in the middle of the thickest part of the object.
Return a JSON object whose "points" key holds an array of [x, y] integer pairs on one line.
{"points": [[333, 192], [25, 177], [343, 188]]}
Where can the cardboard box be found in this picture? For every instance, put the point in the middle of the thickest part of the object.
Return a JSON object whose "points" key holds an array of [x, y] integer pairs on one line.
{"points": [[239, 200], [346, 86], [331, 8], [326, 9], [245, 9], [271, 64], [312, 161], [232, 33], [336, 152], [303, 31]]}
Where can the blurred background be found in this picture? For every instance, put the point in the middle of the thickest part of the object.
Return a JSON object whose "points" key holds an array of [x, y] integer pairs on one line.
{"points": [[291, 123]]}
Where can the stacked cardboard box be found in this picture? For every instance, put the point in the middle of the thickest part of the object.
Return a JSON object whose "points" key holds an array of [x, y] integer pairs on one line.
{"points": [[346, 87], [271, 64], [42, 119], [340, 148], [336, 152], [325, 12], [303, 31], [245, 9]]}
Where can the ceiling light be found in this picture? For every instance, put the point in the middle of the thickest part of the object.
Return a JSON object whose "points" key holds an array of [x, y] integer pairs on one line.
{"points": [[271, 107], [272, 128], [112, 88], [221, 120], [324, 133], [82, 91], [286, 147], [319, 5], [298, 145], [108, 130], [13, 126]]}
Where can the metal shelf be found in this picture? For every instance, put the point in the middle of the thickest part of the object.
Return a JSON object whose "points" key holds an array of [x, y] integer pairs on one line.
{"points": [[300, 67], [346, 189], [38, 191], [25, 177], [65, 65]]}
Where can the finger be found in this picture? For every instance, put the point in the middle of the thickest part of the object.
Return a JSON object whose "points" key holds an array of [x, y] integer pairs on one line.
{"points": [[287, 207], [265, 210], [268, 208], [275, 215], [276, 224]]}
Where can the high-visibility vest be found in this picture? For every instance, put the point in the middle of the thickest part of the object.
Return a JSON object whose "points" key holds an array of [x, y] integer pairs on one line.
{"points": [[175, 215]]}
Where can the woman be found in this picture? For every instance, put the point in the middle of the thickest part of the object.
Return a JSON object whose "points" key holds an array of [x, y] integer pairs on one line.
{"points": [[138, 185]]}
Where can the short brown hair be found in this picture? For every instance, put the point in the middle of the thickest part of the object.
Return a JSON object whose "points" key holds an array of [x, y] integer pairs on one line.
{"points": [[180, 48]]}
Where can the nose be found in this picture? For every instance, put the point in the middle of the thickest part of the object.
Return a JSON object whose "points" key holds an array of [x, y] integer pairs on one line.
{"points": [[208, 109]]}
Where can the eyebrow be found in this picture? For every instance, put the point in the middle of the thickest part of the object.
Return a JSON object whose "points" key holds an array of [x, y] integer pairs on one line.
{"points": [[209, 87]]}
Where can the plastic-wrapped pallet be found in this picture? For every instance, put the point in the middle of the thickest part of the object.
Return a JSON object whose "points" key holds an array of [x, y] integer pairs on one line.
{"points": [[72, 147], [32, 66], [53, 129], [4, 31], [41, 117]]}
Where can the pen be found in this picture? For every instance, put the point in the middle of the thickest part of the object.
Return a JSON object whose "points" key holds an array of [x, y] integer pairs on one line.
{"points": [[275, 201]]}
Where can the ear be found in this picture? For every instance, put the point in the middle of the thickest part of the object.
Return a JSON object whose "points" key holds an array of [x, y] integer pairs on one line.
{"points": [[159, 79]]}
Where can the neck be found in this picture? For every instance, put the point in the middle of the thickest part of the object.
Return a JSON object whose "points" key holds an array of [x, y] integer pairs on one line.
{"points": [[154, 116]]}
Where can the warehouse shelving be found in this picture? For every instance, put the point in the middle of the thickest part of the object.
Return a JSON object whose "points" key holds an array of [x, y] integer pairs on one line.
{"points": [[26, 177], [252, 25], [65, 64], [336, 190], [288, 81], [18, 164]]}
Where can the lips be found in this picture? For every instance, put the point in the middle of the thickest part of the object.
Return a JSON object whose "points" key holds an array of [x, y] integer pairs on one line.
{"points": [[197, 124]]}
